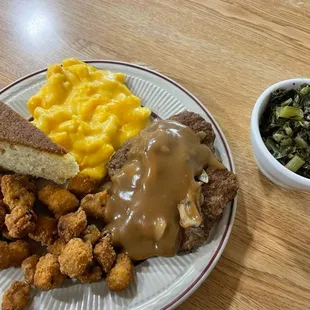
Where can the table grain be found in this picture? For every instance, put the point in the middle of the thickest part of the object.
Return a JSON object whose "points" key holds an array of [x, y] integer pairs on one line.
{"points": [[226, 53]]}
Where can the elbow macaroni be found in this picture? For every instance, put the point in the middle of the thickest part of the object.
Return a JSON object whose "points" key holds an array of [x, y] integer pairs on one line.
{"points": [[89, 112]]}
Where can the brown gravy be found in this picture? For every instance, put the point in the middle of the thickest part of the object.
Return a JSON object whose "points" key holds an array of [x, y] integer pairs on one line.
{"points": [[141, 212]]}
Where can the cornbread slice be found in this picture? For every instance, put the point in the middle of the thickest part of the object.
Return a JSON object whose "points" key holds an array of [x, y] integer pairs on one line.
{"points": [[27, 150]]}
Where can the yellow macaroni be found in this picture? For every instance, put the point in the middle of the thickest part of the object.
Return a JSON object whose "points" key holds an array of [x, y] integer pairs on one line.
{"points": [[89, 112]]}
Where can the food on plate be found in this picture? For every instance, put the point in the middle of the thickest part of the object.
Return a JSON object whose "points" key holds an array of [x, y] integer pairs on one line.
{"points": [[17, 252], [19, 195], [20, 222], [91, 234], [81, 185], [59, 200], [220, 189], [45, 231], [12, 254], [29, 267], [121, 275], [72, 225], [217, 193], [3, 212], [104, 253], [27, 150], [4, 255], [35, 247], [18, 190], [92, 274], [131, 191], [285, 128], [47, 275], [76, 256], [87, 111], [56, 247], [93, 204], [168, 180], [196, 202], [6, 235], [16, 297], [2, 173], [192, 120]]}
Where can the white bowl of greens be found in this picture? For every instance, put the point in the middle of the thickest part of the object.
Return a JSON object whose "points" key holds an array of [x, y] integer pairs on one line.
{"points": [[280, 133]]}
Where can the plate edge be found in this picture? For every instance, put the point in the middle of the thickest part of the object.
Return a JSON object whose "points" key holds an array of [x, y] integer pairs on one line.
{"points": [[233, 205]]}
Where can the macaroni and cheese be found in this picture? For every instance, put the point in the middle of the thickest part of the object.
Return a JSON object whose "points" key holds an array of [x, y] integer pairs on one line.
{"points": [[89, 112]]}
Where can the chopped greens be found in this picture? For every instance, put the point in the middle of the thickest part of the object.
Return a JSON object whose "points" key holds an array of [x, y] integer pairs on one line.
{"points": [[289, 112], [285, 128], [295, 163]]}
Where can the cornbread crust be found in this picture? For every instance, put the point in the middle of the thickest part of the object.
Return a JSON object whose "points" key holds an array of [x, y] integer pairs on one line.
{"points": [[15, 129]]}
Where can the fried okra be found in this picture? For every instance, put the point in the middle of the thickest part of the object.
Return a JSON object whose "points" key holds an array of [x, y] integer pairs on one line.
{"points": [[4, 255], [92, 274], [104, 253], [12, 254], [93, 204], [47, 275], [5, 234], [59, 200], [18, 191], [35, 247], [56, 247], [1, 175], [45, 231], [16, 297], [29, 267], [72, 225], [20, 222], [81, 185], [76, 256], [3, 212], [91, 234], [121, 275], [18, 251]]}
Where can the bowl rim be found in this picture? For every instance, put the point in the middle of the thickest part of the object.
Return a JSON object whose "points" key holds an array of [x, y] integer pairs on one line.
{"points": [[256, 132]]}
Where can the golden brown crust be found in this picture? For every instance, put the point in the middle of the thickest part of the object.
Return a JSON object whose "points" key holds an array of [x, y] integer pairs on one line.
{"points": [[91, 234], [72, 225], [15, 129], [47, 275], [4, 257], [94, 204], [45, 231], [59, 200], [1, 175], [82, 185], [16, 297], [104, 253], [12, 254], [18, 190], [3, 212], [20, 222], [18, 251], [57, 247], [29, 267], [92, 275], [75, 258], [121, 275]]}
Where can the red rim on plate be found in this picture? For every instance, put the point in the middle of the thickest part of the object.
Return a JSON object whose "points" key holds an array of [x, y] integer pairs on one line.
{"points": [[216, 255]]}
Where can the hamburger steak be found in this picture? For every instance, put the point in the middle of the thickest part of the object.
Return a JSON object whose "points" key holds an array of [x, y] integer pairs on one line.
{"points": [[218, 192]]}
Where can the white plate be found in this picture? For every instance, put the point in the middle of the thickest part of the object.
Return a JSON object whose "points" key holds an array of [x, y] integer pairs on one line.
{"points": [[161, 283]]}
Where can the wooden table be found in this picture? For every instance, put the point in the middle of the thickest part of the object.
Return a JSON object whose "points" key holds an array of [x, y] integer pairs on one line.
{"points": [[226, 53]]}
